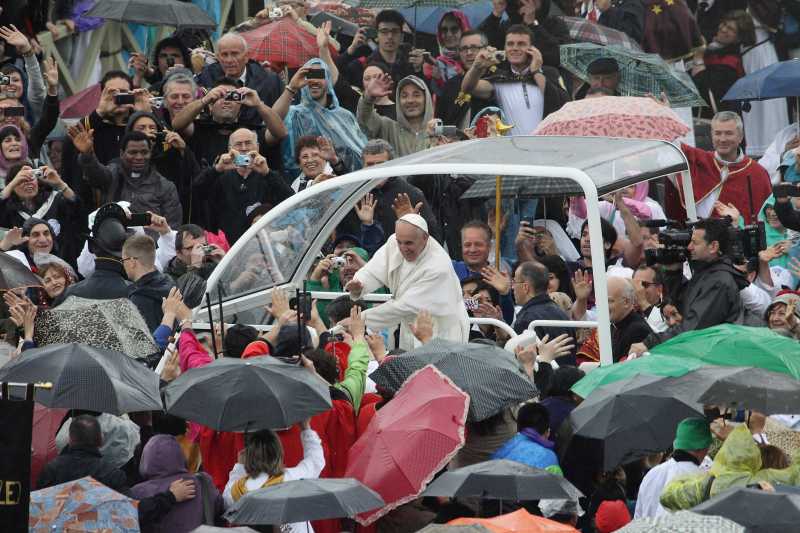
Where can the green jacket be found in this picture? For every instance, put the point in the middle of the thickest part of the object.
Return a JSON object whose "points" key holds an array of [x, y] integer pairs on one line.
{"points": [[355, 377], [335, 285]]}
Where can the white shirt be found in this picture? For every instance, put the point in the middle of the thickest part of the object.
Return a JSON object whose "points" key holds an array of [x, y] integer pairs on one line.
{"points": [[774, 152], [648, 503], [523, 104]]}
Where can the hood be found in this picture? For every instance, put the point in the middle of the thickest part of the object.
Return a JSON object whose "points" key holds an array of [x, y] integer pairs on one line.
{"points": [[154, 284], [138, 114], [463, 21], [305, 94], [739, 453], [161, 457], [401, 118], [6, 131], [722, 265], [487, 111]]}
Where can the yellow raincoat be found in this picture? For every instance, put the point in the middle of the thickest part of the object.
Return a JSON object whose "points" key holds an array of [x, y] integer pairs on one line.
{"points": [[737, 464]]}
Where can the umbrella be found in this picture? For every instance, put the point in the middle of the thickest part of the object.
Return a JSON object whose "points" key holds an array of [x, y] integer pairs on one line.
{"points": [[46, 423], [302, 500], [444, 528], [247, 395], [640, 73], [281, 42], [758, 510], [741, 388], [756, 347], [584, 30], [683, 521], [80, 104], [182, 15], [520, 520], [502, 480], [400, 4], [15, 275], [490, 375], [519, 187], [88, 378], [82, 505], [107, 324], [213, 529], [409, 440], [632, 117], [428, 18], [627, 419], [775, 81], [356, 15]]}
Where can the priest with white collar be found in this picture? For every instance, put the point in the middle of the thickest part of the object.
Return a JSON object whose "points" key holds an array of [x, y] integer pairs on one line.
{"points": [[419, 274]]}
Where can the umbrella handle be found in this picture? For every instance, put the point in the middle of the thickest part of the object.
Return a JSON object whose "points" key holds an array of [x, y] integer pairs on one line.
{"points": [[498, 197]]}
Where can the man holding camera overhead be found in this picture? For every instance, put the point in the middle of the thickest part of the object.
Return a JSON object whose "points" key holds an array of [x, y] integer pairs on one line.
{"points": [[526, 90]]}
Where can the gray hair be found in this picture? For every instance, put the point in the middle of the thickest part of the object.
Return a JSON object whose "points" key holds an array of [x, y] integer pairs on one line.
{"points": [[727, 116], [251, 132], [628, 291], [233, 35], [182, 79], [376, 147]]}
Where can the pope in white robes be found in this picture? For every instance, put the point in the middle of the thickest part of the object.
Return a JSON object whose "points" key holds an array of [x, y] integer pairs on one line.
{"points": [[419, 274]]}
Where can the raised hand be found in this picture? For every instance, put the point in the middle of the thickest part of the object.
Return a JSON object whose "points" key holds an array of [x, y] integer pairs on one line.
{"points": [[12, 238], [550, 350], [324, 35], [422, 328], [376, 346], [82, 140], [365, 209], [727, 210], [402, 205], [496, 279], [378, 87], [16, 38], [280, 303], [327, 150], [50, 74], [357, 324], [582, 285]]}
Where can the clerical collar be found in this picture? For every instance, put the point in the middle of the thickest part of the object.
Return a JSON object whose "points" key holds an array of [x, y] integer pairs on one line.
{"points": [[739, 158]]}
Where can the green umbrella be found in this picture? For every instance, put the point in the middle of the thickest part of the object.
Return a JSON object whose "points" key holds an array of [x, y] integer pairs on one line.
{"points": [[640, 73], [724, 345]]}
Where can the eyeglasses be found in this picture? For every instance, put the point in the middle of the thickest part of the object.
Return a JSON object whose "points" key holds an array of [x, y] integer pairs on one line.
{"points": [[450, 29], [389, 31], [471, 48], [190, 248]]}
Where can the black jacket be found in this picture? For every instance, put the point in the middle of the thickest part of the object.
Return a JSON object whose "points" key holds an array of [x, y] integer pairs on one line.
{"points": [[541, 307], [353, 68], [626, 16], [229, 195], [631, 329], [75, 463], [107, 282], [147, 292], [788, 215], [452, 111], [710, 298]]}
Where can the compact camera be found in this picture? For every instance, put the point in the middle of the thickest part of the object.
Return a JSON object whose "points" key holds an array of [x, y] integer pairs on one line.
{"points": [[242, 160], [275, 13], [439, 129], [338, 262], [124, 98], [5, 80], [157, 102], [37, 173], [499, 56], [234, 96]]}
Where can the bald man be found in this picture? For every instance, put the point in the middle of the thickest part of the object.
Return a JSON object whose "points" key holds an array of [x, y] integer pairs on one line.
{"points": [[628, 325], [419, 273]]}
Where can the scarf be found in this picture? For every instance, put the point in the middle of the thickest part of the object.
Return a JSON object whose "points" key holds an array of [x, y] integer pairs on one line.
{"points": [[239, 487]]}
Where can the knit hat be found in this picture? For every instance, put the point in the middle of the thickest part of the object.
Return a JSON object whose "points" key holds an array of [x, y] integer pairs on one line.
{"points": [[611, 516], [237, 337], [692, 434]]}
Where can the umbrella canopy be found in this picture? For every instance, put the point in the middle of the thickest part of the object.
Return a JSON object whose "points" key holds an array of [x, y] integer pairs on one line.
{"points": [[400, 4], [15, 275], [80, 104], [46, 423], [247, 394], [444, 528], [724, 345], [640, 73], [759, 511], [182, 15], [356, 15], [741, 388], [631, 117], [683, 521], [88, 378], [426, 19], [106, 324], [427, 414], [520, 520], [775, 81], [502, 480], [586, 31], [82, 505], [490, 375], [302, 500], [626, 420], [281, 42]]}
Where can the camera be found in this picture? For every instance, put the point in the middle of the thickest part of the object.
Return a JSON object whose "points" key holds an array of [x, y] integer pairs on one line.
{"points": [[302, 304], [208, 249], [124, 98], [157, 102], [315, 74], [5, 80], [439, 129], [471, 303], [170, 61], [428, 58], [139, 219], [37, 173], [338, 262], [500, 56], [161, 136], [275, 13], [370, 33], [13, 111], [234, 96], [782, 190], [242, 160]]}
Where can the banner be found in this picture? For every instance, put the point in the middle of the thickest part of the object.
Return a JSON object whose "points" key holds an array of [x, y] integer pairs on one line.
{"points": [[16, 419]]}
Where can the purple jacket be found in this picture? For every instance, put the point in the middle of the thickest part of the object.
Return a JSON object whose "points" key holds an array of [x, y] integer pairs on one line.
{"points": [[162, 463]]}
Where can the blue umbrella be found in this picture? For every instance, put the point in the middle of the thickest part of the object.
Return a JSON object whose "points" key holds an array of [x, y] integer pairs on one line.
{"points": [[775, 81], [427, 18]]}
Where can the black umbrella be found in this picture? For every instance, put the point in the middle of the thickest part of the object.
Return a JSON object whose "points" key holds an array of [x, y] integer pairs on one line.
{"points": [[247, 394], [502, 480], [88, 378], [741, 387], [625, 420], [757, 510], [153, 13], [303, 500], [15, 275], [490, 375]]}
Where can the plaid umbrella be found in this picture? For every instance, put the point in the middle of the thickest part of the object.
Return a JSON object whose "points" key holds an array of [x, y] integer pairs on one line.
{"points": [[683, 521], [640, 73], [584, 30], [86, 378], [15, 275], [281, 42], [490, 375], [109, 324], [82, 505], [182, 15], [631, 117]]}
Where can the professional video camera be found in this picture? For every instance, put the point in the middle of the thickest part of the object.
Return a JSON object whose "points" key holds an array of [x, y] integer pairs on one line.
{"points": [[743, 243]]}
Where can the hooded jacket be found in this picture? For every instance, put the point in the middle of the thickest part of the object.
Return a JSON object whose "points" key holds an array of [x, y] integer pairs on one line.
{"points": [[162, 463], [398, 133], [147, 293], [332, 121]]}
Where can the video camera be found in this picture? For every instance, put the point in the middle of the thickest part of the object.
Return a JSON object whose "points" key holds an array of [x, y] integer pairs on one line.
{"points": [[743, 243]]}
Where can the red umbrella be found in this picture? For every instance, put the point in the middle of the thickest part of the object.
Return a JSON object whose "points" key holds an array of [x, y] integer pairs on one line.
{"points": [[81, 104], [410, 439], [46, 422], [281, 42]]}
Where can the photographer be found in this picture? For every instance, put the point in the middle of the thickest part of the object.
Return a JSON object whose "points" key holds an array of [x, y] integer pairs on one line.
{"points": [[712, 296]]}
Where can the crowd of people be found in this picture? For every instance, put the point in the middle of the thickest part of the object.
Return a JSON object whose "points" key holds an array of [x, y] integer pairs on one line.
{"points": [[143, 197]]}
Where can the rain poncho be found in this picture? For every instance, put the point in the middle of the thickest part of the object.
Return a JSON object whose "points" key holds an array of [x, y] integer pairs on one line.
{"points": [[334, 122], [448, 61], [737, 464], [775, 236]]}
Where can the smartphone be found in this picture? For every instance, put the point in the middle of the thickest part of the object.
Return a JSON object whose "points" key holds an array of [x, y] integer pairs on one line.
{"points": [[14, 111], [302, 304], [370, 33], [315, 74], [139, 219], [471, 303], [124, 98]]}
